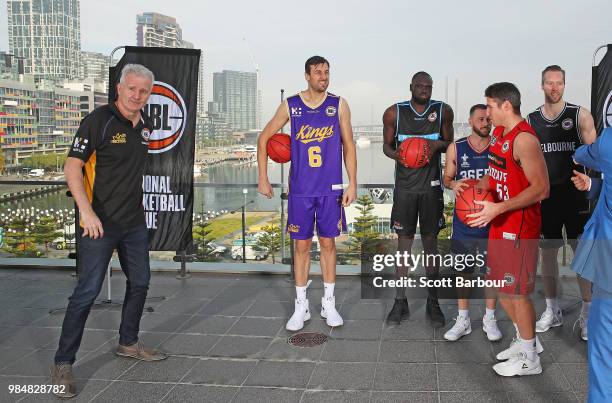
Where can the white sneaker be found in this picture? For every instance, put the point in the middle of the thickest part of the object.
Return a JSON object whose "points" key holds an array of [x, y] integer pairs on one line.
{"points": [[583, 322], [489, 326], [549, 319], [519, 365], [515, 349], [462, 327], [329, 312], [300, 315]]}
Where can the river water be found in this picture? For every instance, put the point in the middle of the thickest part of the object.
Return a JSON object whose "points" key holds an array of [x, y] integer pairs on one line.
{"points": [[372, 167]]}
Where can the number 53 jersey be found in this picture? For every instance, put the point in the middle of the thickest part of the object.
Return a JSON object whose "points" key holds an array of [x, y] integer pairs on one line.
{"points": [[316, 147], [507, 179]]}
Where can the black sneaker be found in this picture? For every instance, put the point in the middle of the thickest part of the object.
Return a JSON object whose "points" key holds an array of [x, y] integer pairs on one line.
{"points": [[434, 313], [399, 312]]}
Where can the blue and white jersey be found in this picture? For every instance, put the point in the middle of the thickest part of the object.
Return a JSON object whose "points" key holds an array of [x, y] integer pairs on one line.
{"points": [[471, 164]]}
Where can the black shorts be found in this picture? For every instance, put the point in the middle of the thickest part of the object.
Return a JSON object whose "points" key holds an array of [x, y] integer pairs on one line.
{"points": [[476, 249], [426, 208], [565, 206]]}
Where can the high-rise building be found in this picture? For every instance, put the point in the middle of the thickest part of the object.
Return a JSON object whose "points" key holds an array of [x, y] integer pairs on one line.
{"points": [[10, 66], [95, 65], [47, 35], [158, 30], [96, 91], [38, 118], [235, 97]]}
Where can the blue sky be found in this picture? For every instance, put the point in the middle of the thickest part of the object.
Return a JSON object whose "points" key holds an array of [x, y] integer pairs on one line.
{"points": [[375, 48]]}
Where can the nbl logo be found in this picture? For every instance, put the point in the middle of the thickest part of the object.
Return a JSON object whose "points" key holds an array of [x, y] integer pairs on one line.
{"points": [[607, 111], [168, 113]]}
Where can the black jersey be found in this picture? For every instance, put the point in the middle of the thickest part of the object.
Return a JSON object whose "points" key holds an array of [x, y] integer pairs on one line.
{"points": [[115, 155], [559, 139], [426, 125]]}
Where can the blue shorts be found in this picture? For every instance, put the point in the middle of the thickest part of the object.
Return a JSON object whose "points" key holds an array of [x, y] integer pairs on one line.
{"points": [[327, 211]]}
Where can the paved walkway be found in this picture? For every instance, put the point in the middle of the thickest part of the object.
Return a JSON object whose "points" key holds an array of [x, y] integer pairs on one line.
{"points": [[226, 339]]}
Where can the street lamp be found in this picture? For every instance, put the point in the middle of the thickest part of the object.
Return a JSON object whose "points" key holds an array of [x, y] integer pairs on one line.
{"points": [[244, 192], [243, 210]]}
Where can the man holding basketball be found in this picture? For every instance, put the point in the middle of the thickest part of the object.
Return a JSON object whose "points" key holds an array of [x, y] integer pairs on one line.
{"points": [[561, 127], [468, 158], [518, 178], [321, 134], [418, 191]]}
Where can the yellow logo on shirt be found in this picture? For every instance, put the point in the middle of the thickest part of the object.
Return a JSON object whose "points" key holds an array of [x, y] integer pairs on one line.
{"points": [[293, 228], [308, 134], [119, 138]]}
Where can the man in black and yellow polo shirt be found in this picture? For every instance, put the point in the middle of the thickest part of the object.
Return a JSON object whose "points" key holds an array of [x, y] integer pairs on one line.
{"points": [[104, 172]]}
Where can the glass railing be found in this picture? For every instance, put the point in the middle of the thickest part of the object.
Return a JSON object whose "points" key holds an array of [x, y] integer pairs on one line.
{"points": [[234, 228]]}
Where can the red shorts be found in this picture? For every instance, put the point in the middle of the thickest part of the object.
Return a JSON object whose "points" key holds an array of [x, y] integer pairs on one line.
{"points": [[515, 262]]}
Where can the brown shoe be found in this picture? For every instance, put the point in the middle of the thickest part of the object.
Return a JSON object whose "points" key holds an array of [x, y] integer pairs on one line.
{"points": [[139, 352], [63, 381]]}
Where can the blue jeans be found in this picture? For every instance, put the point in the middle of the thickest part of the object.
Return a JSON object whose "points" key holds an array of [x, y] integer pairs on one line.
{"points": [[94, 255]]}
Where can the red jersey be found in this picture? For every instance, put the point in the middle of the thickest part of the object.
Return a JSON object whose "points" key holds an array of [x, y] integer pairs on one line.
{"points": [[507, 180]]}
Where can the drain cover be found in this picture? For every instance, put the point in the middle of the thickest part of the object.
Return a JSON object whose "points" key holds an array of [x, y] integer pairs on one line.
{"points": [[307, 339]]}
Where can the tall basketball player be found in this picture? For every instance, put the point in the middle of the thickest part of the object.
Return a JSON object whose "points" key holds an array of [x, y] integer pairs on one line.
{"points": [[561, 127], [321, 134], [468, 158], [518, 178], [418, 191]]}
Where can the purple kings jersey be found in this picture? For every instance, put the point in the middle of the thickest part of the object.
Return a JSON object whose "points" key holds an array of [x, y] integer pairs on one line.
{"points": [[316, 148]]}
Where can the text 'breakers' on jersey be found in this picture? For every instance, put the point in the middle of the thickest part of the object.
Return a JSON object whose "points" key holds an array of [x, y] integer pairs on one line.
{"points": [[426, 125], [316, 147], [507, 179]]}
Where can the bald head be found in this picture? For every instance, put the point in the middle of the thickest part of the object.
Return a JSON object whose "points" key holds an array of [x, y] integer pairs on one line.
{"points": [[421, 87]]}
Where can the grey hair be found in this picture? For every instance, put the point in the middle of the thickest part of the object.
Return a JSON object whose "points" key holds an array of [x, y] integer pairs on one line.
{"points": [[138, 70]]}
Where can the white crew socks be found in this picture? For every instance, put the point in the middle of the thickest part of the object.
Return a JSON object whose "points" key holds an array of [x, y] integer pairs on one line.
{"points": [[585, 308], [489, 313], [329, 290], [300, 293], [464, 313], [529, 348], [553, 304]]}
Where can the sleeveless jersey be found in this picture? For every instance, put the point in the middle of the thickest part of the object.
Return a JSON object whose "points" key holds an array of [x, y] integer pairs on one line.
{"points": [[426, 125], [559, 139], [507, 180], [471, 164], [316, 148]]}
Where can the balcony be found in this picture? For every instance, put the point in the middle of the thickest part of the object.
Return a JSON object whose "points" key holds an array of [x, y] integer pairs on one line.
{"points": [[223, 328], [226, 341]]}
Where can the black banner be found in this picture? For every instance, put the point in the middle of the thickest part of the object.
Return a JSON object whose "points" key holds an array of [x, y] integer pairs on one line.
{"points": [[601, 92], [168, 184]]}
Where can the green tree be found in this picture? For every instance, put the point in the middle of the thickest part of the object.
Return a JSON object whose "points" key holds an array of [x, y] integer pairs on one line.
{"points": [[204, 251], [364, 227], [2, 163], [270, 241], [45, 231], [18, 239], [45, 161]]}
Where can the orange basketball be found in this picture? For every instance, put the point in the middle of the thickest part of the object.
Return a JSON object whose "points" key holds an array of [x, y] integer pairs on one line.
{"points": [[464, 202], [279, 148], [414, 152]]}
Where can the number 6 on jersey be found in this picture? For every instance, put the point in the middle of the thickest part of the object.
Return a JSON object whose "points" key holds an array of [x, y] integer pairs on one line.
{"points": [[314, 156]]}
